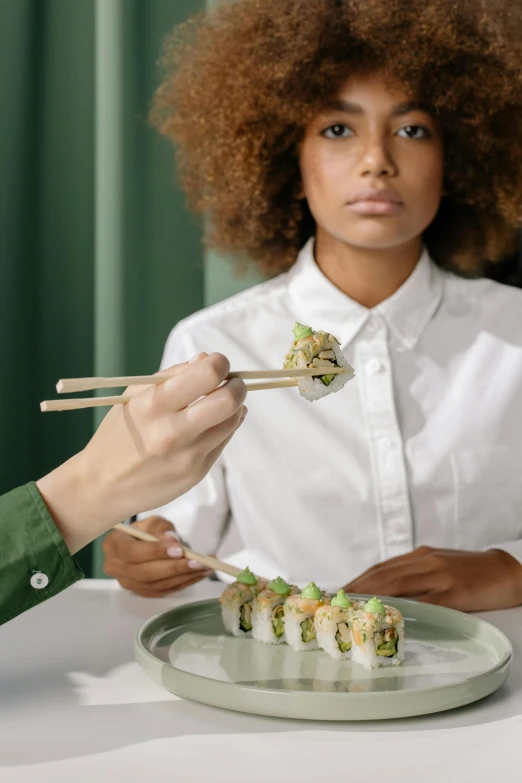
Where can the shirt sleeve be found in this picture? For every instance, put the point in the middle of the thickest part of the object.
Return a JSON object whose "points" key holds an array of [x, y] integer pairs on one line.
{"points": [[35, 563], [201, 515]]}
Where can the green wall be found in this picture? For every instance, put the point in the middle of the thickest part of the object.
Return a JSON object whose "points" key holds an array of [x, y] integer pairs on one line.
{"points": [[99, 257]]}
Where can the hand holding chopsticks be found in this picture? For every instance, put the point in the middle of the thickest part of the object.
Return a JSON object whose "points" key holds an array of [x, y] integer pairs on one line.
{"points": [[267, 379], [206, 560], [147, 453]]}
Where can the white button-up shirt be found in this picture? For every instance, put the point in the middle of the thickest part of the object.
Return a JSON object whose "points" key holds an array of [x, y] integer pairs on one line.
{"points": [[424, 446]]}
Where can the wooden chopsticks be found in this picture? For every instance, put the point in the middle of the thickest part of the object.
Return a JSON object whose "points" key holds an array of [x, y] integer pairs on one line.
{"points": [[281, 379], [70, 385], [206, 560], [83, 402]]}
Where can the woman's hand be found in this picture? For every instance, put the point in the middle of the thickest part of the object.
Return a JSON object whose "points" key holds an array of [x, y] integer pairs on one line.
{"points": [[147, 452], [469, 581], [151, 569]]}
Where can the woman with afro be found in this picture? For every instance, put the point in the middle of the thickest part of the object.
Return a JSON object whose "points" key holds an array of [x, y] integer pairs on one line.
{"points": [[367, 156]]}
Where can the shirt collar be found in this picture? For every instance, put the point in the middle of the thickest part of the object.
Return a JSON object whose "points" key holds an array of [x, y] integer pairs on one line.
{"points": [[317, 301]]}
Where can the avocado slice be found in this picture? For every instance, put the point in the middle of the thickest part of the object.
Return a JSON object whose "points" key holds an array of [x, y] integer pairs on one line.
{"points": [[245, 617], [308, 631], [388, 649], [327, 379], [343, 646], [277, 621]]}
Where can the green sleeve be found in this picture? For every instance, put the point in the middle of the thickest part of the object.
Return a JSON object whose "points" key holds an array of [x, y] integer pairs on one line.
{"points": [[35, 563]]}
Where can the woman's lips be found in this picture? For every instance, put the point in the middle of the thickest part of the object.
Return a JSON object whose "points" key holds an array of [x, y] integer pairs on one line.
{"points": [[376, 202], [372, 207]]}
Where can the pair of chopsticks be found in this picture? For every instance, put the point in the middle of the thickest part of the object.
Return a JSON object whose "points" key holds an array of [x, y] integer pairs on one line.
{"points": [[280, 379], [206, 560]]}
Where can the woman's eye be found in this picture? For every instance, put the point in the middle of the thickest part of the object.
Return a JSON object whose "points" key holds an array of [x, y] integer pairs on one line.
{"points": [[414, 132], [337, 132]]}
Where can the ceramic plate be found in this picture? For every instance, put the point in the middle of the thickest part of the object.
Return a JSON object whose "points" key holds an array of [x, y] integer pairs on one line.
{"points": [[451, 659]]}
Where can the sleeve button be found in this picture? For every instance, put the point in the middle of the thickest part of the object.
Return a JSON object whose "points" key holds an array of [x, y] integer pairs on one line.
{"points": [[39, 580]]}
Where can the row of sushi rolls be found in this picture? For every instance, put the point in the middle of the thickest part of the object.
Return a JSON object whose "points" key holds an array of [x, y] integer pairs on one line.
{"points": [[370, 633]]}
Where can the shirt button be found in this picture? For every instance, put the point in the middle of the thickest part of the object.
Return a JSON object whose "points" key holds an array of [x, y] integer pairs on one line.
{"points": [[39, 580], [385, 444], [372, 326], [395, 525], [374, 366]]}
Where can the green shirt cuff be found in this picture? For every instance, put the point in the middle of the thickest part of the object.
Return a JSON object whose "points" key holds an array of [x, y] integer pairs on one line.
{"points": [[35, 563]]}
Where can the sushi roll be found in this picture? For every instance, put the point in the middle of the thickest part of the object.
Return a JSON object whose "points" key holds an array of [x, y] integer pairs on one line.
{"points": [[378, 635], [299, 611], [333, 626], [317, 349], [268, 612], [236, 603]]}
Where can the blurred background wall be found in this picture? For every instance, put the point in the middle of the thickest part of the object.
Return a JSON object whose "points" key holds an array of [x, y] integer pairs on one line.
{"points": [[99, 257]]}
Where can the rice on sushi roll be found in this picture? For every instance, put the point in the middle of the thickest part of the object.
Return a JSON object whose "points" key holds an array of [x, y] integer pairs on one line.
{"points": [[317, 349], [236, 603], [333, 626], [378, 635], [268, 612], [299, 611]]}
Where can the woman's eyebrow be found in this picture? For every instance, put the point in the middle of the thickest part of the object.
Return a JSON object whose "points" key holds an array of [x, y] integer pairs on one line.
{"points": [[406, 108], [338, 104]]}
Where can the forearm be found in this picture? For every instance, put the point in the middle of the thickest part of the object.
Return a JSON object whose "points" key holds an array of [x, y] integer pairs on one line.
{"points": [[79, 502]]}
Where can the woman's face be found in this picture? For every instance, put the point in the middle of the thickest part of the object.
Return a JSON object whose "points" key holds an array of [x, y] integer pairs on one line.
{"points": [[372, 165]]}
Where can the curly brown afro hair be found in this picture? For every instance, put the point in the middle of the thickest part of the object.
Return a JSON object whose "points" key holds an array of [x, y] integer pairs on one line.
{"points": [[243, 81]]}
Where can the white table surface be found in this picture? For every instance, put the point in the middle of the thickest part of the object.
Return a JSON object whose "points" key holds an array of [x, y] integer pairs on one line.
{"points": [[74, 706]]}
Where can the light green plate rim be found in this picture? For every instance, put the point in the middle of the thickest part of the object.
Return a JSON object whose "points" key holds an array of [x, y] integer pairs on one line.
{"points": [[305, 705]]}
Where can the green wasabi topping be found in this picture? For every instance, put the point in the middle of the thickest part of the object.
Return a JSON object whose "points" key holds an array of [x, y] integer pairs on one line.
{"points": [[301, 331], [375, 606], [279, 586], [311, 591], [246, 577], [342, 600]]}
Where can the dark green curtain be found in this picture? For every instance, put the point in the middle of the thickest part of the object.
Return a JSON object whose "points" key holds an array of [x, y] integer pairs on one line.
{"points": [[99, 257]]}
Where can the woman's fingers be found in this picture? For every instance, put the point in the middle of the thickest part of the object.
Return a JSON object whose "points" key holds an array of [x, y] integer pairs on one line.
{"points": [[218, 436], [217, 407], [152, 570], [199, 379], [120, 546], [395, 581], [149, 568], [401, 560], [163, 587]]}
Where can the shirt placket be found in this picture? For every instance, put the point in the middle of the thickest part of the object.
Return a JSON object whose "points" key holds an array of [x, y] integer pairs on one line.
{"points": [[374, 374]]}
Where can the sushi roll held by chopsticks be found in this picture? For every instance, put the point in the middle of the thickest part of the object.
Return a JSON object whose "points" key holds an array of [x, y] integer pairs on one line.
{"points": [[378, 635], [315, 350], [237, 603]]}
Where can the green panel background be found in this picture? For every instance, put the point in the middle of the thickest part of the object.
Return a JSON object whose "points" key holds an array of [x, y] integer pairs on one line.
{"points": [[149, 258], [46, 228], [99, 256]]}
